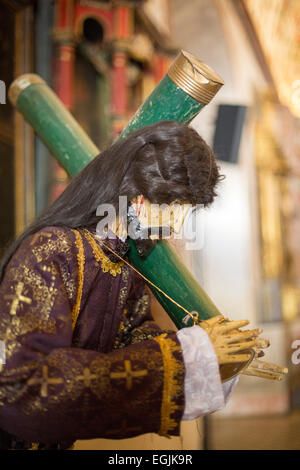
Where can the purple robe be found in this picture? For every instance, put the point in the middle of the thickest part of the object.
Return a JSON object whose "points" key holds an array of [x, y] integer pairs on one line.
{"points": [[84, 360]]}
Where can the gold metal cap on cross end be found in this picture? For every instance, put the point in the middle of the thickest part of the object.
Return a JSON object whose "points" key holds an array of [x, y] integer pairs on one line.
{"points": [[20, 83], [194, 77]]}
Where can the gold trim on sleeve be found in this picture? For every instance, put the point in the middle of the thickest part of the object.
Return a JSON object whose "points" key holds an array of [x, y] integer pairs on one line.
{"points": [[171, 387], [81, 261]]}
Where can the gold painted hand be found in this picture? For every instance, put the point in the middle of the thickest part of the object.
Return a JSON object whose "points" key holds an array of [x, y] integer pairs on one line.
{"points": [[228, 341], [265, 370]]}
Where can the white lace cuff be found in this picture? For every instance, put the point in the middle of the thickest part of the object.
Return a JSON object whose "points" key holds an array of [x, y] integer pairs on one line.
{"points": [[203, 389]]}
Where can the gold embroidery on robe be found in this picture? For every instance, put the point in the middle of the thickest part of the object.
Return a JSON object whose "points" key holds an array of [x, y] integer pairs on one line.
{"points": [[128, 374], [80, 385], [81, 261], [106, 264], [43, 251], [171, 387]]}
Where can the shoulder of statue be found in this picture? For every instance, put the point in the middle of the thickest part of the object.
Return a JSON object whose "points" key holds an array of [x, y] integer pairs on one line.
{"points": [[49, 243]]}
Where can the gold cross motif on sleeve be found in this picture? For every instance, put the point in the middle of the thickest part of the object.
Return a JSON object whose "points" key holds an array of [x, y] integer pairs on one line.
{"points": [[45, 381], [87, 377], [17, 298], [128, 374]]}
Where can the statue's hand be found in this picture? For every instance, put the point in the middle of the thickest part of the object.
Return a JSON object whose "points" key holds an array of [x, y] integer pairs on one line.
{"points": [[266, 370], [228, 341]]}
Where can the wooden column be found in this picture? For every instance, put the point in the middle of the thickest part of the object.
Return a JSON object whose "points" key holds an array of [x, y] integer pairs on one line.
{"points": [[64, 70], [123, 29], [43, 67], [160, 68]]}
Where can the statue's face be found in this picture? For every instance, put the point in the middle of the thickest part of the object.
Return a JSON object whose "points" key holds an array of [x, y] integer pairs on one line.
{"points": [[168, 216]]}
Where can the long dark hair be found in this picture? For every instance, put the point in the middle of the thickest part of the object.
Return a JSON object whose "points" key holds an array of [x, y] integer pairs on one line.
{"points": [[165, 161]]}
